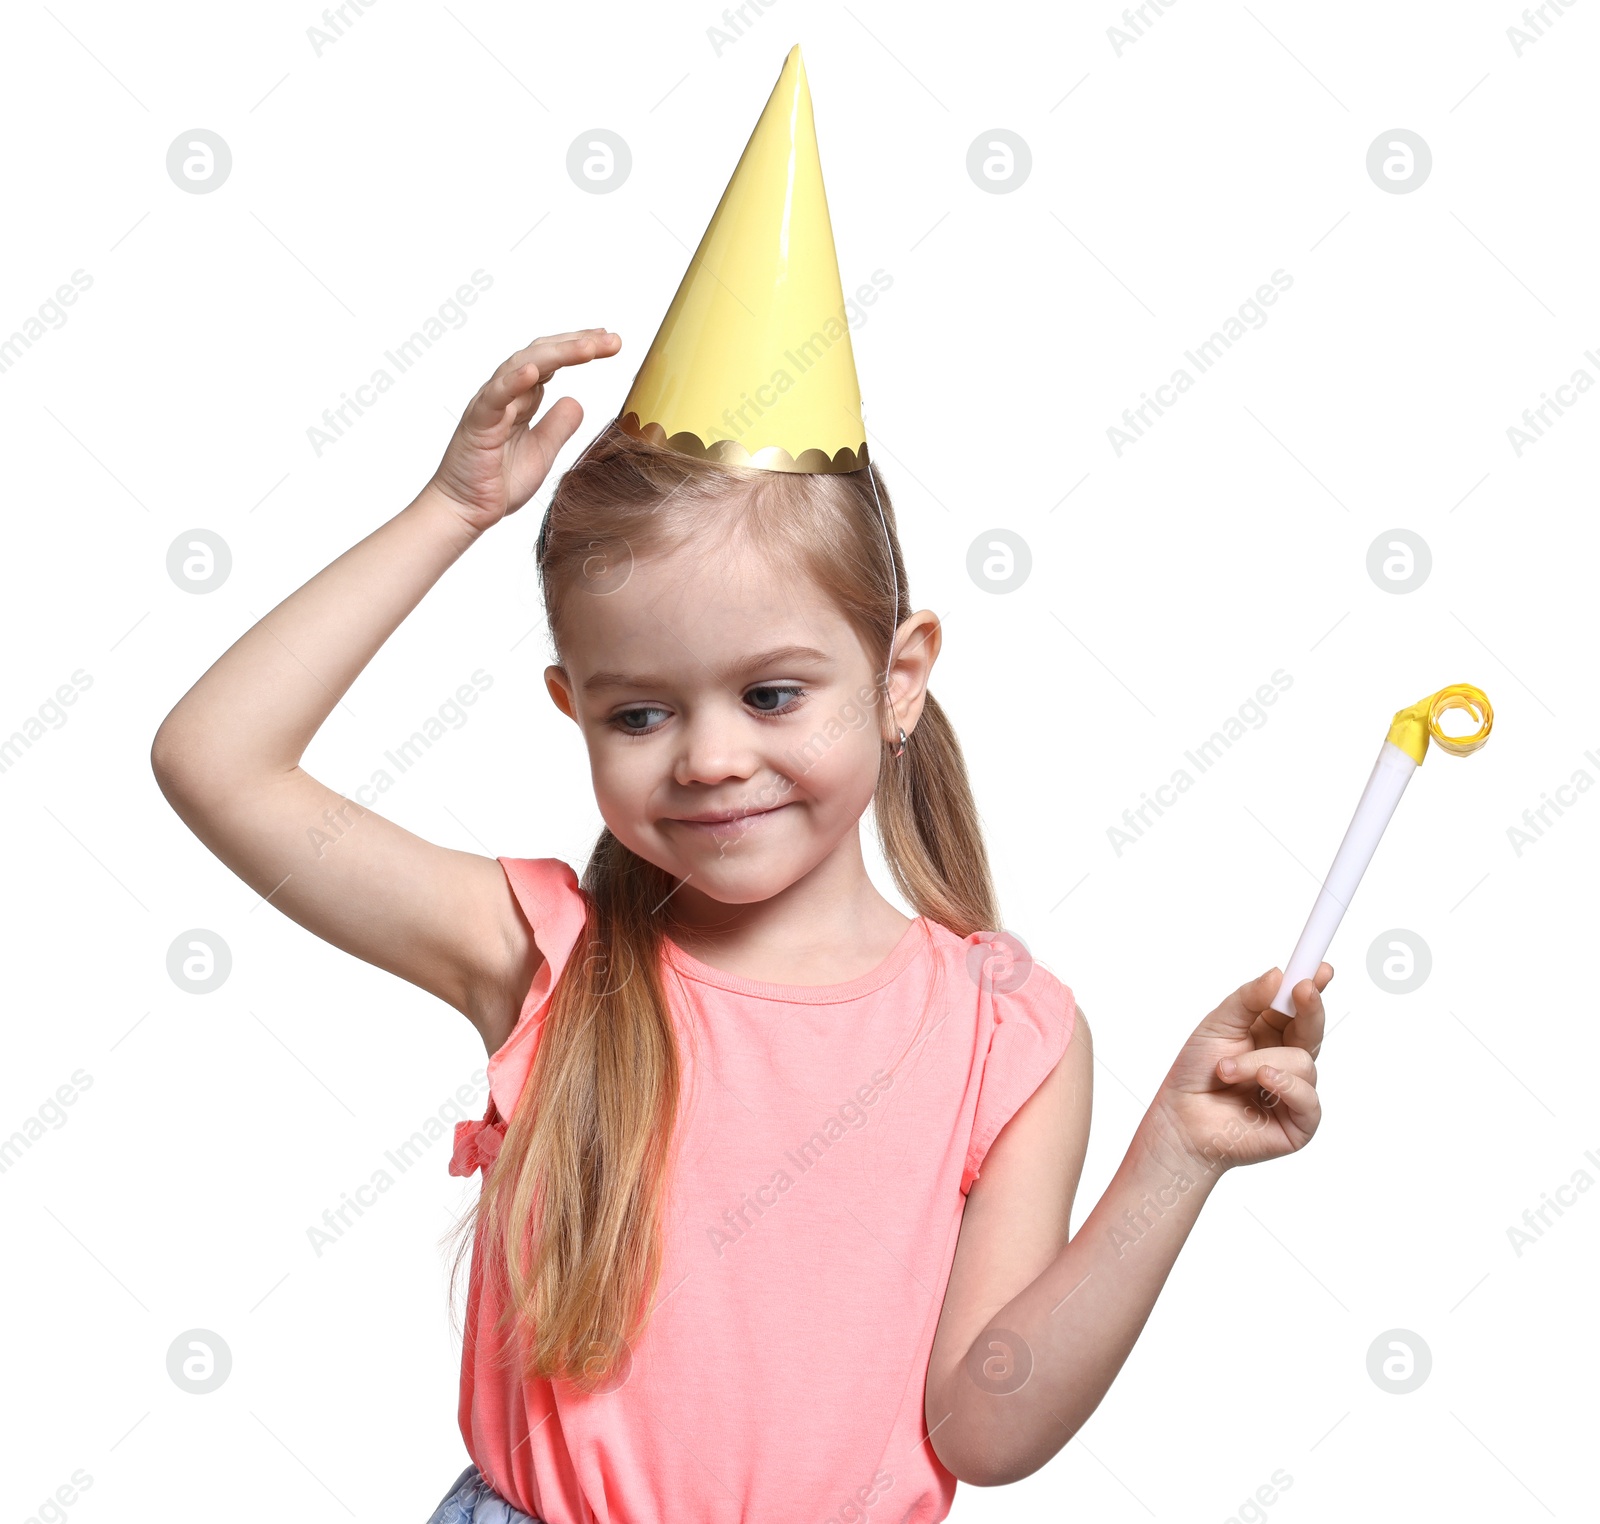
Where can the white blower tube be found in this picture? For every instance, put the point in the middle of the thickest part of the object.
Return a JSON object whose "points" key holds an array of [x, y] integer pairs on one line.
{"points": [[1390, 774]]}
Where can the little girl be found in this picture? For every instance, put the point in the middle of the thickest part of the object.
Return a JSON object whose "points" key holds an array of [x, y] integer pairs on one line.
{"points": [[774, 1218]]}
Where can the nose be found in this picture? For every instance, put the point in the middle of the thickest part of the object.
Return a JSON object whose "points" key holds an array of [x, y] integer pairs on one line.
{"points": [[714, 748]]}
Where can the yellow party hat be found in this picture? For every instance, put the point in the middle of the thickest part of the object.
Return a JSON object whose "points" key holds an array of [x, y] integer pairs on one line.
{"points": [[752, 365]]}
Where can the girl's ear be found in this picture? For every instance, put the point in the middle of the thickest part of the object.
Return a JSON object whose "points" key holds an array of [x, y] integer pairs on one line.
{"points": [[560, 691], [916, 648]]}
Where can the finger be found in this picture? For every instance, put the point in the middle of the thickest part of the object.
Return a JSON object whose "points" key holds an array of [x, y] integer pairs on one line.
{"points": [[495, 398], [552, 431], [1256, 996], [1298, 1098], [564, 348], [1243, 1068], [604, 343], [574, 333], [1307, 1008], [1306, 1027], [531, 368], [510, 386], [1309, 1024], [1241, 1014], [531, 349]]}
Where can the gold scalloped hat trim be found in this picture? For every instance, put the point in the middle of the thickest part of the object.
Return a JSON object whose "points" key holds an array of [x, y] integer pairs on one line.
{"points": [[752, 365]]}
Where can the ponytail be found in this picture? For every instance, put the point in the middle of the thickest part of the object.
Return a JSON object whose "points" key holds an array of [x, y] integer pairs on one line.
{"points": [[928, 827]]}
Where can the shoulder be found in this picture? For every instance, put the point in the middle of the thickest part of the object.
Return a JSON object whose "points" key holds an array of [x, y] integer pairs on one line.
{"points": [[1049, 1127], [1024, 1019], [1008, 982], [540, 912], [1028, 1170]]}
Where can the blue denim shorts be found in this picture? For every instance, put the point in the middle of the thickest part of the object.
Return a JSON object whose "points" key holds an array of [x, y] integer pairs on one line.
{"points": [[471, 1500]]}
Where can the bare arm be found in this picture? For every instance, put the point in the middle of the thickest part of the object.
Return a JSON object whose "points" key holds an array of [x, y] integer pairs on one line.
{"points": [[1035, 1326], [227, 757]]}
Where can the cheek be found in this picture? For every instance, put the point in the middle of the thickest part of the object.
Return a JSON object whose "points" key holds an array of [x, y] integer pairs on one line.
{"points": [[847, 773], [622, 775]]}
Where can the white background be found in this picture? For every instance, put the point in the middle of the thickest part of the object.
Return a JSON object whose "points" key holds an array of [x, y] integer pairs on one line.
{"points": [[1168, 181]]}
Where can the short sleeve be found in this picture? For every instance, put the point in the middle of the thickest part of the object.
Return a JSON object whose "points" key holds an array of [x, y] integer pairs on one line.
{"points": [[547, 891], [1032, 1027]]}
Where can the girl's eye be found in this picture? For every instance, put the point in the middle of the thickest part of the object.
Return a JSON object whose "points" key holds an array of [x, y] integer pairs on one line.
{"points": [[765, 699], [774, 698], [636, 722]]}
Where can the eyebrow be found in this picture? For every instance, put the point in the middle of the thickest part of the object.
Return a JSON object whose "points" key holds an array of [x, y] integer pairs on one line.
{"points": [[775, 657]]}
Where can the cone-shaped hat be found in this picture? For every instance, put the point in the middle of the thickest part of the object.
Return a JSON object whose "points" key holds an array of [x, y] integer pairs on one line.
{"points": [[752, 365]]}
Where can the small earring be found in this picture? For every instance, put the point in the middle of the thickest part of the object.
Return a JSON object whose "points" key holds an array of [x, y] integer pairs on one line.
{"points": [[899, 750]]}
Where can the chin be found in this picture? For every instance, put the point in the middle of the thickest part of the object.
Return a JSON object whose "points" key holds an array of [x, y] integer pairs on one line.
{"points": [[739, 878]]}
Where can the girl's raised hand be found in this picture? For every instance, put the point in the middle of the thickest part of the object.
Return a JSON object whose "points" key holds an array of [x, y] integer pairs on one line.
{"points": [[495, 462], [1244, 1086]]}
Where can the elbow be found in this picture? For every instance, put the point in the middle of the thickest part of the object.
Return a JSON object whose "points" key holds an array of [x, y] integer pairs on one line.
{"points": [[995, 1473], [166, 761], [984, 1475], [1001, 1462], [977, 1467], [176, 762], [953, 1456]]}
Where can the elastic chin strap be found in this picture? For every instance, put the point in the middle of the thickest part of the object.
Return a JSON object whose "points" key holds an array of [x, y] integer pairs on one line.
{"points": [[888, 545]]}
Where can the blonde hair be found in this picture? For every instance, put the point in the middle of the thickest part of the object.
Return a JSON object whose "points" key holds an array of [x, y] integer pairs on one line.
{"points": [[570, 1213]]}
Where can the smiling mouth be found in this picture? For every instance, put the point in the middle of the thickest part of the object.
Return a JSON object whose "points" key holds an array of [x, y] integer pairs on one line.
{"points": [[719, 823]]}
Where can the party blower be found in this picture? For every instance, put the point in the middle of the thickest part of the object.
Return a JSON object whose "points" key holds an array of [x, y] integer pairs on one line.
{"points": [[1403, 750]]}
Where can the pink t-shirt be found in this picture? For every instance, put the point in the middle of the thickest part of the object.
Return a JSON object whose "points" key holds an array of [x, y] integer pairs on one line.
{"points": [[829, 1136]]}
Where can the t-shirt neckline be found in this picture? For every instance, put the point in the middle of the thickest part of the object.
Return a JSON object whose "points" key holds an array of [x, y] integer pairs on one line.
{"points": [[803, 994]]}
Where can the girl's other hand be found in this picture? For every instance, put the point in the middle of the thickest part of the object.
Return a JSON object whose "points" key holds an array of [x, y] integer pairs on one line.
{"points": [[494, 462], [1244, 1086]]}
